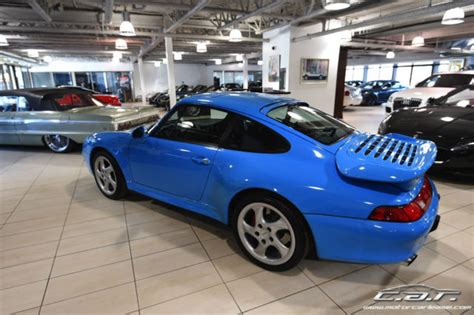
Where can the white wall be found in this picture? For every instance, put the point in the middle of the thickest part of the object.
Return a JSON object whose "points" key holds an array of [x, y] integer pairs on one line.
{"points": [[156, 78], [227, 67], [321, 95], [280, 41]]}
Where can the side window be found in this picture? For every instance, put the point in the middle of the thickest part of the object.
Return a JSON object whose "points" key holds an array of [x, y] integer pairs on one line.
{"points": [[14, 103], [195, 124], [251, 136]]}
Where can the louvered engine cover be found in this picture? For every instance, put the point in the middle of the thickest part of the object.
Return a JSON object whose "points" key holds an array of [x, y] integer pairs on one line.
{"points": [[392, 158]]}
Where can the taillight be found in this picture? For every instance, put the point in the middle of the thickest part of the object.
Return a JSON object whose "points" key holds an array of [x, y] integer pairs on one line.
{"points": [[406, 213], [347, 93]]}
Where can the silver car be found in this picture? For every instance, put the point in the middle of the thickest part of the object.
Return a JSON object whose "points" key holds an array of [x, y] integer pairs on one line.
{"points": [[62, 118]]}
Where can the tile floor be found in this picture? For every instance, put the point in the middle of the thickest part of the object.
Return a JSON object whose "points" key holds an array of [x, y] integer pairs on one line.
{"points": [[65, 249]]}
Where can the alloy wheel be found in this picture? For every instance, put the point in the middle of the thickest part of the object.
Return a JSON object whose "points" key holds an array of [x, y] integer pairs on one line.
{"points": [[266, 233], [57, 143], [105, 175]]}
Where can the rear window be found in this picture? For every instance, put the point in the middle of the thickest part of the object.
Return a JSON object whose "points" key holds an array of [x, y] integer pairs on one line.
{"points": [[311, 122], [13, 104], [447, 80], [68, 101]]}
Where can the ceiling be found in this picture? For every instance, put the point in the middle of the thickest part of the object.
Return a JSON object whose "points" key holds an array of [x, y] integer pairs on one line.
{"points": [[88, 29]]}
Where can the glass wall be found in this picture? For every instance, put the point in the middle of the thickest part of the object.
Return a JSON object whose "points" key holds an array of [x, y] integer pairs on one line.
{"points": [[42, 79], [236, 76], [62, 78]]}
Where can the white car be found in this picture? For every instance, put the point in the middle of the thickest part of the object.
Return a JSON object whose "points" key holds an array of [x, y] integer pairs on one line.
{"points": [[434, 86], [352, 96]]}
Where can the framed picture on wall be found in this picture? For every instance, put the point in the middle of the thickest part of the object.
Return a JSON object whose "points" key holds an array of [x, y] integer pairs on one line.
{"points": [[314, 70], [274, 68]]}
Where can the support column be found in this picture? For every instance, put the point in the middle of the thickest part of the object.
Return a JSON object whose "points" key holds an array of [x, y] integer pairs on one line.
{"points": [[170, 68], [340, 80], [246, 73], [142, 80]]}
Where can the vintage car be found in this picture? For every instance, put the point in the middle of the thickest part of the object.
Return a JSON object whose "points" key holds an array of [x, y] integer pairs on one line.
{"points": [[61, 118], [287, 178], [106, 99], [448, 121]]}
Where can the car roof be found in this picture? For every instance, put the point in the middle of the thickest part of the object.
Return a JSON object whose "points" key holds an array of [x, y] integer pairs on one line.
{"points": [[244, 102], [40, 92]]}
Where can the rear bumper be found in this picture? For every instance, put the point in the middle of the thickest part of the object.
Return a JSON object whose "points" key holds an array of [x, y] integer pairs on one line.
{"points": [[367, 241]]}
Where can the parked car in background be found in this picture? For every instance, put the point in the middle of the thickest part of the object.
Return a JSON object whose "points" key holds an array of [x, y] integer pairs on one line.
{"points": [[231, 87], [255, 86], [354, 83], [211, 88], [163, 99], [448, 121], [60, 118], [106, 99], [378, 91], [352, 96], [287, 178], [434, 86]]}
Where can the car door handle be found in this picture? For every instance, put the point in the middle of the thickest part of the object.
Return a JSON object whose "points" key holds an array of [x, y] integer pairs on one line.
{"points": [[201, 160]]}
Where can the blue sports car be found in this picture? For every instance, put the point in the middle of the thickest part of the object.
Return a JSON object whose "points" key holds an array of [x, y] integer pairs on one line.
{"points": [[378, 91], [288, 179]]}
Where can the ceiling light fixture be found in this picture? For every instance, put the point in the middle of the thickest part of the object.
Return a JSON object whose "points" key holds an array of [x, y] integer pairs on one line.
{"points": [[157, 63], [117, 55], [240, 64], [453, 16], [346, 36], [239, 57], [126, 27], [334, 5], [201, 47], [390, 55], [218, 61], [260, 62], [165, 61], [121, 44], [47, 59], [418, 41], [235, 35], [178, 55], [32, 53], [3, 41]]}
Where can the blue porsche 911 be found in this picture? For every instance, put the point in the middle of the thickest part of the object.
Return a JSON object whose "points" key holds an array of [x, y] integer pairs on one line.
{"points": [[288, 179]]}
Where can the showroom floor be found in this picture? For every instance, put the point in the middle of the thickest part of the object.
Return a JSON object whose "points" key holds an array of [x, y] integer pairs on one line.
{"points": [[67, 249]]}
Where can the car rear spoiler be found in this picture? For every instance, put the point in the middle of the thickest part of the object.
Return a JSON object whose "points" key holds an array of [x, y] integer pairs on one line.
{"points": [[392, 158]]}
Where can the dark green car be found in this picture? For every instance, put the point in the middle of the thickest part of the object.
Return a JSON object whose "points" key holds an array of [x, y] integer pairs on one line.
{"points": [[61, 118]]}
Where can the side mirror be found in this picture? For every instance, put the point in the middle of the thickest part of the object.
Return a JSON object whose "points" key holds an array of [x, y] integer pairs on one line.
{"points": [[138, 132]]}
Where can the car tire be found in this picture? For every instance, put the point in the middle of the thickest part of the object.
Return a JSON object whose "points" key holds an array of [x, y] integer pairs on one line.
{"points": [[270, 232], [58, 143], [370, 100], [108, 176]]}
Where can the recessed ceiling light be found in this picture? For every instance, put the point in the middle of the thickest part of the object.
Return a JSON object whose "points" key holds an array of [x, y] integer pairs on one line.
{"points": [[32, 53], [218, 61], [165, 61], [157, 63], [260, 62], [239, 57], [121, 44], [240, 65], [178, 55], [117, 54], [334, 5], [453, 16]]}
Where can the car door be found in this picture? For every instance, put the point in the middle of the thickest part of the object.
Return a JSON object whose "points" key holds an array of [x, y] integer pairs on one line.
{"points": [[177, 155], [8, 133]]}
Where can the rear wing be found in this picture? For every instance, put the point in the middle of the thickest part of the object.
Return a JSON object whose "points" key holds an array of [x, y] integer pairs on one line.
{"points": [[392, 158]]}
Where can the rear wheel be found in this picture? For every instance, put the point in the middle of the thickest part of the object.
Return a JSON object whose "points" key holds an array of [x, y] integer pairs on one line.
{"points": [[58, 143], [270, 232], [108, 176], [371, 100]]}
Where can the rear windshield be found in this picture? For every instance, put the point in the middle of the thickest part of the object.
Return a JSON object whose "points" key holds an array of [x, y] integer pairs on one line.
{"points": [[447, 80], [66, 101], [311, 122]]}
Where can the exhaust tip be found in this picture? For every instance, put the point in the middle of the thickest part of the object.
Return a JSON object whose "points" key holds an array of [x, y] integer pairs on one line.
{"points": [[409, 261]]}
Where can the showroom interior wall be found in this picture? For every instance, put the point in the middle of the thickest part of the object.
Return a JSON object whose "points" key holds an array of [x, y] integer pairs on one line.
{"points": [[156, 78], [320, 95], [72, 65], [278, 44]]}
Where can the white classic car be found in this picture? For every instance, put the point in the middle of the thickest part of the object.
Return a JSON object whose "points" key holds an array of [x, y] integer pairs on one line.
{"points": [[352, 95], [434, 86]]}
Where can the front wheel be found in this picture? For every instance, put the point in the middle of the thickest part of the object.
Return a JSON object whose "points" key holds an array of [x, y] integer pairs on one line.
{"points": [[371, 100], [108, 176], [58, 143], [270, 232]]}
